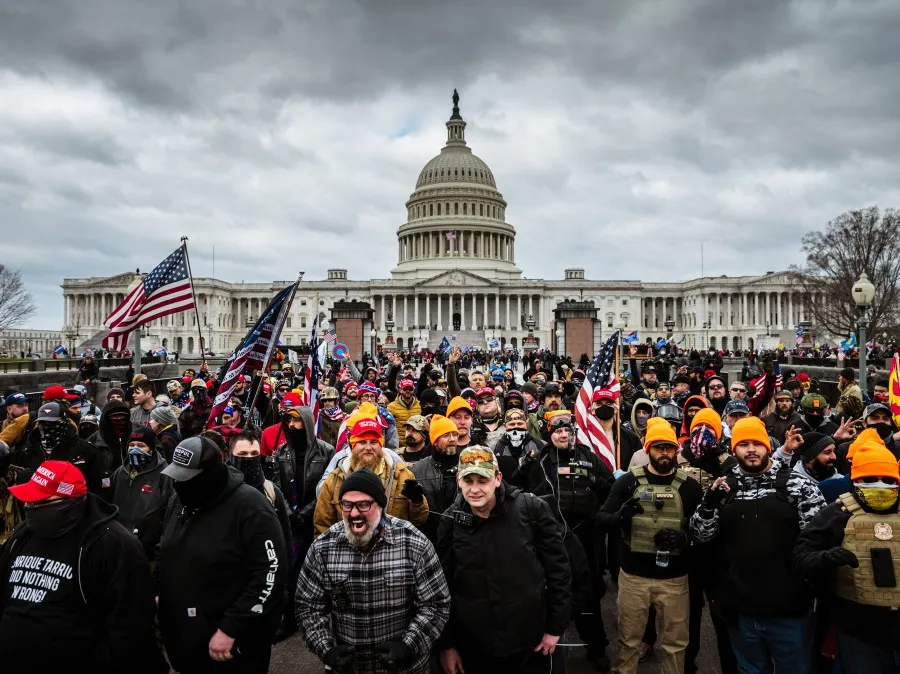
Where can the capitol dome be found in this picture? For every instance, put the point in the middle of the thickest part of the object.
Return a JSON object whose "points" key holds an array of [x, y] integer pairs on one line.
{"points": [[456, 217]]}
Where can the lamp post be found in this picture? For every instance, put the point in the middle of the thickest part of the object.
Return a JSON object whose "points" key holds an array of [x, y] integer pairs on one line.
{"points": [[863, 296], [670, 327], [621, 326]]}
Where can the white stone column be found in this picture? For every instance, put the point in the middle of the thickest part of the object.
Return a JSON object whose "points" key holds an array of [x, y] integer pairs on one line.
{"points": [[405, 312], [474, 322], [518, 311], [496, 321], [768, 310], [530, 306], [802, 302], [416, 310], [381, 327], [440, 318], [728, 320], [508, 326], [428, 321], [394, 310], [791, 321], [462, 311]]}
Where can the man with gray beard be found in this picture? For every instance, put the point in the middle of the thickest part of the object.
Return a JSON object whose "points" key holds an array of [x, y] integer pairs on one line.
{"points": [[371, 597]]}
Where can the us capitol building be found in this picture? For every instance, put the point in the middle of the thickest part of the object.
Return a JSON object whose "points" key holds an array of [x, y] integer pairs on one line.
{"points": [[456, 275]]}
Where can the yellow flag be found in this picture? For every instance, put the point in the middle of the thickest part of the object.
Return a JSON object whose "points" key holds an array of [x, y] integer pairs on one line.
{"points": [[894, 388]]}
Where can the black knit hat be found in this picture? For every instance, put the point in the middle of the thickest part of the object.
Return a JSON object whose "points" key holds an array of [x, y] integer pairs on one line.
{"points": [[367, 482], [144, 434], [813, 444]]}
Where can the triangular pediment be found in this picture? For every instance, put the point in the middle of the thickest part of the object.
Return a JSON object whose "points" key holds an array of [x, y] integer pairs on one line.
{"points": [[456, 278]]}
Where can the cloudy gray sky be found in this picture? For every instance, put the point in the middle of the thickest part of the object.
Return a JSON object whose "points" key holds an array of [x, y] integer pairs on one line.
{"points": [[289, 133]]}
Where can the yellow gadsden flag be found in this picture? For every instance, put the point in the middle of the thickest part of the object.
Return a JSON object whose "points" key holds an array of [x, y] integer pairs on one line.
{"points": [[894, 388]]}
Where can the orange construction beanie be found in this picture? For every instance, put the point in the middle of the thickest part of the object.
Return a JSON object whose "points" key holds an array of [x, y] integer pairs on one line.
{"points": [[659, 430], [873, 459], [750, 428], [867, 435], [709, 417]]}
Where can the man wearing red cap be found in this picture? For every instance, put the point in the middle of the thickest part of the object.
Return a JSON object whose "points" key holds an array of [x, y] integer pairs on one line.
{"points": [[76, 593], [405, 406], [406, 499]]}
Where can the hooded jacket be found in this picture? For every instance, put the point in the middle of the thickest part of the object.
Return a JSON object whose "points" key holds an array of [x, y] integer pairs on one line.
{"points": [[80, 453], [685, 422], [299, 470], [633, 424], [105, 438], [106, 624], [224, 567], [142, 499]]}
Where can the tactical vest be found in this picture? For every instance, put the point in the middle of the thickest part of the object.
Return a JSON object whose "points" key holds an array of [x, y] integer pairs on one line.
{"points": [[705, 479], [663, 509], [863, 532]]}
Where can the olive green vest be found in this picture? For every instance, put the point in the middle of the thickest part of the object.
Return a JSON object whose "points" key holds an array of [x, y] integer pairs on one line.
{"points": [[863, 532], [663, 509], [705, 479]]}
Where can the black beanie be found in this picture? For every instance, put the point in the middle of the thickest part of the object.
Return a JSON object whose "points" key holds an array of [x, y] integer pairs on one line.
{"points": [[367, 482], [144, 434], [813, 444]]}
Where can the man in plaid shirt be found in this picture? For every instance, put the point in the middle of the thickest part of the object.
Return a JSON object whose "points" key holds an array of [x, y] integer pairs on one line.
{"points": [[383, 582]]}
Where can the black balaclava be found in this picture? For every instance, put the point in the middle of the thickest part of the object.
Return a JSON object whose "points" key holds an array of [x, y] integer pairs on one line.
{"points": [[296, 437], [251, 468], [55, 519], [204, 488], [53, 433]]}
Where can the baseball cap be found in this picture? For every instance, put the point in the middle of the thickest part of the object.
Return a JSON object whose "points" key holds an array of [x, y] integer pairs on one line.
{"points": [[51, 412], [785, 394], [198, 383], [52, 478], [478, 460], [57, 392], [190, 457], [736, 407], [15, 399], [870, 409], [559, 419], [814, 402], [418, 422], [484, 392], [604, 394], [173, 383], [366, 428], [552, 389], [407, 383]]}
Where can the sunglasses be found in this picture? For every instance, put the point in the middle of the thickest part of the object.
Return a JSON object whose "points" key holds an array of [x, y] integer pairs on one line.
{"points": [[738, 390]]}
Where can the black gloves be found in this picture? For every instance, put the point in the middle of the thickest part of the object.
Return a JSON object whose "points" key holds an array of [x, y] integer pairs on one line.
{"points": [[713, 498], [340, 658], [393, 653], [768, 365], [670, 539], [840, 557], [528, 458], [413, 491], [629, 509]]}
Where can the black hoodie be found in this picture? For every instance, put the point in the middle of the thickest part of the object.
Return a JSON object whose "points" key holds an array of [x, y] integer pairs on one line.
{"points": [[80, 453], [209, 580], [105, 438], [97, 600]]}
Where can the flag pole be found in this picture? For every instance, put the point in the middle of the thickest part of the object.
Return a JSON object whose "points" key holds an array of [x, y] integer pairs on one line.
{"points": [[619, 420], [187, 259], [276, 334]]}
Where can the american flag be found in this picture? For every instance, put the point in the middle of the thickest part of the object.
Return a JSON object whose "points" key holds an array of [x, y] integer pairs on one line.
{"points": [[330, 336], [254, 352], [311, 375], [600, 375], [165, 290]]}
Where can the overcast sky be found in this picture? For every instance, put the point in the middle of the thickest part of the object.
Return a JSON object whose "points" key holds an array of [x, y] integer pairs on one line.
{"points": [[289, 133]]}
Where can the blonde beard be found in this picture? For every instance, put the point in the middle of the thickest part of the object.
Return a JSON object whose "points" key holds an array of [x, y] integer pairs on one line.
{"points": [[357, 461]]}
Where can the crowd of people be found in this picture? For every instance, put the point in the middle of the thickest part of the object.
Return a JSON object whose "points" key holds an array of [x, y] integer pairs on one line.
{"points": [[451, 513]]}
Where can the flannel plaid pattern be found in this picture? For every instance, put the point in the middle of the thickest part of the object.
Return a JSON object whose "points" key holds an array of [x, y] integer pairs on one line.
{"points": [[395, 593]]}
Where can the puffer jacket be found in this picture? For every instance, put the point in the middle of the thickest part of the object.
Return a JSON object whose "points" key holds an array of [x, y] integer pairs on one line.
{"points": [[393, 474], [297, 473], [401, 414], [142, 498]]}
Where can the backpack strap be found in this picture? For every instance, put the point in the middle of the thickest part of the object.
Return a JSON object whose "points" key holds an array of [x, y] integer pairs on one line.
{"points": [[849, 503]]}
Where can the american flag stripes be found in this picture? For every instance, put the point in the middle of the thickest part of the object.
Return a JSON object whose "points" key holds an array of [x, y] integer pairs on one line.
{"points": [[252, 353], [311, 375], [165, 290], [330, 336], [600, 375]]}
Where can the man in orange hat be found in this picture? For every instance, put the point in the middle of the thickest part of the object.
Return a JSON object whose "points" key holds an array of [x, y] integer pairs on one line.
{"points": [[851, 551], [755, 512], [649, 506], [405, 497], [437, 473]]}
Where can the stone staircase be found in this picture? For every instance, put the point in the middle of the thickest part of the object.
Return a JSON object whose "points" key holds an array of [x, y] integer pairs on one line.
{"points": [[458, 338]]}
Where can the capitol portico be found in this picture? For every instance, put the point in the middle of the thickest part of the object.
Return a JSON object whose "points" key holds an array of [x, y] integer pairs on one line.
{"points": [[456, 276]]}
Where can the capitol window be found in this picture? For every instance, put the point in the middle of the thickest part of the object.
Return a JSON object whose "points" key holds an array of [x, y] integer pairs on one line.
{"points": [[624, 302]]}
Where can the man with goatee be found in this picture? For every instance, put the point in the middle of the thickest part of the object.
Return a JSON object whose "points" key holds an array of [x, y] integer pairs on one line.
{"points": [[405, 497], [353, 622]]}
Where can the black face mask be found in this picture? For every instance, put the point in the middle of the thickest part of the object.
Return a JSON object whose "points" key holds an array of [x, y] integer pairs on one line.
{"points": [[296, 437], [813, 420], [204, 488], [52, 433], [199, 395], [884, 430], [605, 412], [56, 519], [251, 467]]}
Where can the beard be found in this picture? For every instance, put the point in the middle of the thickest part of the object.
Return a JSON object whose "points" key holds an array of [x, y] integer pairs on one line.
{"points": [[358, 540], [358, 461], [662, 465], [753, 470]]}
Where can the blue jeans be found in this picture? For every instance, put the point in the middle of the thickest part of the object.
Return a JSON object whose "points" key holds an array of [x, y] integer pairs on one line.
{"points": [[861, 657], [764, 645]]}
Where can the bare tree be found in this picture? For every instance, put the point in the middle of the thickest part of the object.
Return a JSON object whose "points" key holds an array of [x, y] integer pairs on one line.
{"points": [[854, 242], [16, 304]]}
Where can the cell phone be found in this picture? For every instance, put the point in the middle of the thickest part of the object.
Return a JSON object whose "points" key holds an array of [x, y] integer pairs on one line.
{"points": [[883, 567]]}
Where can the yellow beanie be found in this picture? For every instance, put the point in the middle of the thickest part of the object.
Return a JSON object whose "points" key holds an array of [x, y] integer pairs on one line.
{"points": [[873, 459], [750, 428], [709, 417], [441, 425], [458, 403], [868, 435], [659, 430], [362, 411]]}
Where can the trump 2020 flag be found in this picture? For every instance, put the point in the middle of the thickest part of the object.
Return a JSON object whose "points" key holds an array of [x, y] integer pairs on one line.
{"points": [[254, 352], [165, 290]]}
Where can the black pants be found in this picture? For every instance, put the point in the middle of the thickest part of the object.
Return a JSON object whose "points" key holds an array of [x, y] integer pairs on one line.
{"points": [[588, 588], [476, 661]]}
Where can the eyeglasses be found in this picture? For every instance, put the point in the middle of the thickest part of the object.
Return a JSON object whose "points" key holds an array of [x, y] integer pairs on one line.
{"points": [[361, 506]]}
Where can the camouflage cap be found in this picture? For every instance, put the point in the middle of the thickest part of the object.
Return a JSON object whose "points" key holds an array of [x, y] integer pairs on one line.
{"points": [[478, 460]]}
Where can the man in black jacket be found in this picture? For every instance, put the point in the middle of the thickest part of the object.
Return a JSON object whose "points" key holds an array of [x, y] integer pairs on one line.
{"points": [[111, 438], [516, 444], [574, 482], [436, 474], [222, 566], [780, 421], [57, 439], [76, 593], [501, 621]]}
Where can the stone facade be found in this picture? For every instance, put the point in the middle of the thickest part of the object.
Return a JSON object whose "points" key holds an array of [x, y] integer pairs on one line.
{"points": [[14, 341], [456, 275]]}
